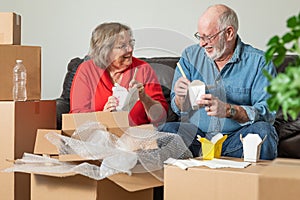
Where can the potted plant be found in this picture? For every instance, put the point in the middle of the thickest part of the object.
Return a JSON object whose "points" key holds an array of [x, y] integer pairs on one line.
{"points": [[284, 89]]}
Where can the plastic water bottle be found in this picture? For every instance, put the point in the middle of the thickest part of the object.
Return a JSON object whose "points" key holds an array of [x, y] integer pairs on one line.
{"points": [[19, 81]]}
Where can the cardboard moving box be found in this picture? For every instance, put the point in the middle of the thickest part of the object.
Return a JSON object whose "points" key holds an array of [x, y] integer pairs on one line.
{"points": [[31, 56], [10, 28], [214, 184], [19, 122], [75, 186], [264, 180]]}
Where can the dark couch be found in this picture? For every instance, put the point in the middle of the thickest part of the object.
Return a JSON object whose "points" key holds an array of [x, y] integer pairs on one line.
{"points": [[288, 131]]}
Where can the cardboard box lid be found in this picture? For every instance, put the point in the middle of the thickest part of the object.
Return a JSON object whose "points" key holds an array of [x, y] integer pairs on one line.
{"points": [[42, 145], [45, 147], [131, 183], [136, 182], [116, 122]]}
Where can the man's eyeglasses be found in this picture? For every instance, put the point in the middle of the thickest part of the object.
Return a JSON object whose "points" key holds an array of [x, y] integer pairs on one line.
{"points": [[208, 38], [125, 46]]}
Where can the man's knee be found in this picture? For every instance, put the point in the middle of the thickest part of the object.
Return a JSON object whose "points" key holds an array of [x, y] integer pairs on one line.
{"points": [[264, 129]]}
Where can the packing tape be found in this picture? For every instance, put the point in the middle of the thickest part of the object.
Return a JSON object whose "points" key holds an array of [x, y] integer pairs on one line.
{"points": [[18, 20], [36, 107]]}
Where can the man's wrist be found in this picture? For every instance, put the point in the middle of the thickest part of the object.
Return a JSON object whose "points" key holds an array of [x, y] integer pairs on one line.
{"points": [[231, 111]]}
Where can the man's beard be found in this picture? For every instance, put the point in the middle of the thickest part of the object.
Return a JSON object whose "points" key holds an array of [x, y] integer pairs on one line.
{"points": [[219, 49]]}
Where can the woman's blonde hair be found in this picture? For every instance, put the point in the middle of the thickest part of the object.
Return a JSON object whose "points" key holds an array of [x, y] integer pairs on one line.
{"points": [[102, 41]]}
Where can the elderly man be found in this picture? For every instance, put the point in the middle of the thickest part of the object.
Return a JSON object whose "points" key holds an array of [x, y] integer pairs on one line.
{"points": [[235, 100]]}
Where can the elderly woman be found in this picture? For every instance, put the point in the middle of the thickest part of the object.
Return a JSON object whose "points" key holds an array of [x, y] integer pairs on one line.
{"points": [[111, 62]]}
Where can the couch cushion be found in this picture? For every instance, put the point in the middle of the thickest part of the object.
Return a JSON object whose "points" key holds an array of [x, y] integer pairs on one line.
{"points": [[72, 67], [286, 128]]}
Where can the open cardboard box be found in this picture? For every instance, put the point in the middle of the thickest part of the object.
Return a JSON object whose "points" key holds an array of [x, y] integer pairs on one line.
{"points": [[75, 186]]}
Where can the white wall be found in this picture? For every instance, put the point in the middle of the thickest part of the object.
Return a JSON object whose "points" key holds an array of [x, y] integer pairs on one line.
{"points": [[161, 27]]}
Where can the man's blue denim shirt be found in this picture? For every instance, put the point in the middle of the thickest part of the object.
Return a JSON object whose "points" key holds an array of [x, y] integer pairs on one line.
{"points": [[240, 82]]}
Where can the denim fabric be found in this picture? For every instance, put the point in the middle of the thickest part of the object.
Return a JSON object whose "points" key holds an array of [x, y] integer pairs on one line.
{"points": [[232, 146], [240, 82]]}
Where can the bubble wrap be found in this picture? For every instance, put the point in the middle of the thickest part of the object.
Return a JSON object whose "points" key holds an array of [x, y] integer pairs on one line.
{"points": [[138, 150]]}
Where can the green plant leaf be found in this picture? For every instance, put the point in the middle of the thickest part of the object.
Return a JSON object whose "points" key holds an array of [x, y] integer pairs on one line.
{"points": [[278, 60], [284, 89], [292, 22], [269, 53], [273, 41], [267, 75], [288, 37]]}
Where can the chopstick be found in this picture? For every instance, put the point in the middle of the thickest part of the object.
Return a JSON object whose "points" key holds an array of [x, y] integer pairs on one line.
{"points": [[134, 74], [181, 70]]}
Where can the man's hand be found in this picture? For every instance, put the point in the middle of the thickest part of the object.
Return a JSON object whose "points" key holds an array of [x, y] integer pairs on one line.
{"points": [[213, 106], [180, 89]]}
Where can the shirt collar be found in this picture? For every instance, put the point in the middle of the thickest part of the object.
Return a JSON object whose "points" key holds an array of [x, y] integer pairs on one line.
{"points": [[238, 50]]}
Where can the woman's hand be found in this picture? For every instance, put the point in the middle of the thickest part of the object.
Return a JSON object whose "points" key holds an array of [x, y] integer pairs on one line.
{"points": [[140, 87], [111, 104]]}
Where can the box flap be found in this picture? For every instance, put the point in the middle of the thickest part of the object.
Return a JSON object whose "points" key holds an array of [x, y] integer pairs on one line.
{"points": [[136, 182], [60, 175], [71, 157], [42, 145], [116, 122]]}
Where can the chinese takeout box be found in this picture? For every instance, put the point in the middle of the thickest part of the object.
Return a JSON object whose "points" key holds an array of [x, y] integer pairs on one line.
{"points": [[195, 90], [251, 147], [212, 148]]}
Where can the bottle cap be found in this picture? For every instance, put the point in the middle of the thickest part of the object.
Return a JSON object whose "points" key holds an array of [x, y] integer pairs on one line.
{"points": [[19, 61]]}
